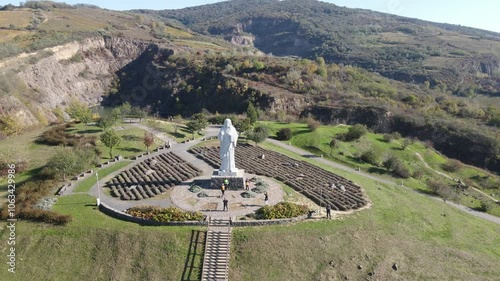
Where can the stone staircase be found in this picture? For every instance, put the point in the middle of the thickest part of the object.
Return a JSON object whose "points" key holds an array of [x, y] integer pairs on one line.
{"points": [[217, 248]]}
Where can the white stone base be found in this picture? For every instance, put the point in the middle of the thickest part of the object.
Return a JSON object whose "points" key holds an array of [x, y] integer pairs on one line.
{"points": [[237, 173]]}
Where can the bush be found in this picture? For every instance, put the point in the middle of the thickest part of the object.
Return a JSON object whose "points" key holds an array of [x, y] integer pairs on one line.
{"points": [[259, 134], [164, 214], [485, 205], [248, 194], [281, 210], [355, 132], [436, 185], [260, 186], [312, 123], [371, 156], [388, 137], [452, 165], [284, 134], [195, 188], [44, 216], [401, 170]]}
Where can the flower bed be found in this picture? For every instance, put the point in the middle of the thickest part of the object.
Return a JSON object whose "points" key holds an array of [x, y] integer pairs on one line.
{"points": [[164, 214], [281, 210]]}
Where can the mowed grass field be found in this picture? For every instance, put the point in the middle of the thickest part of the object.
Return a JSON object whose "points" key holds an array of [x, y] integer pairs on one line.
{"points": [[96, 247], [131, 143], [428, 240]]}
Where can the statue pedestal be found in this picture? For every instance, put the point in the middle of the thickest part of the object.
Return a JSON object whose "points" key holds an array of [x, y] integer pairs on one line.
{"points": [[236, 179]]}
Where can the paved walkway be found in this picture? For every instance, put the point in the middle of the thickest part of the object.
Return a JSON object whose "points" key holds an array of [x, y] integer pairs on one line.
{"points": [[181, 197], [305, 153]]}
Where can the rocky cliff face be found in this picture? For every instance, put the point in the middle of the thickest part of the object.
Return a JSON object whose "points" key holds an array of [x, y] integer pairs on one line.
{"points": [[41, 84]]}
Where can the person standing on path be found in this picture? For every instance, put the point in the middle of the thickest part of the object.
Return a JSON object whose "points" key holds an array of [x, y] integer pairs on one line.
{"points": [[247, 184], [224, 202], [222, 189], [266, 199], [328, 211]]}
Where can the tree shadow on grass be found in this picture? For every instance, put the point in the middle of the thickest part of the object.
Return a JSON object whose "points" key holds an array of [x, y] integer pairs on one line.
{"points": [[131, 149], [178, 135], [131, 138], [377, 170]]}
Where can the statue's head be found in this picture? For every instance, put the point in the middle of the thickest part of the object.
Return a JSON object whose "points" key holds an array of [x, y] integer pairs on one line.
{"points": [[227, 123]]}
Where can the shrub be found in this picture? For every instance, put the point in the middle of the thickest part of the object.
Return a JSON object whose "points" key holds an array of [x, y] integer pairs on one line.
{"points": [[371, 156], [260, 186], [284, 134], [452, 165], [312, 123], [164, 214], [281, 210], [195, 188], [436, 185], [44, 216], [355, 132], [259, 134], [485, 205], [401, 170], [248, 194], [202, 195], [388, 137]]}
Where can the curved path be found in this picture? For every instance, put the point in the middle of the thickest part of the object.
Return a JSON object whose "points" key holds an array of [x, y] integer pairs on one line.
{"points": [[305, 153], [181, 150]]}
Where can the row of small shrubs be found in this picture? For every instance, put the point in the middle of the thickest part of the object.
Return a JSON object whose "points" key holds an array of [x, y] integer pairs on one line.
{"points": [[46, 216], [58, 136], [164, 214], [281, 210], [28, 194]]}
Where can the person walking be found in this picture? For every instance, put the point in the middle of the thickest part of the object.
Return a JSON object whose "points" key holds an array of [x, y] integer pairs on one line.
{"points": [[226, 183], [224, 202], [328, 211], [266, 198], [222, 189], [247, 184]]}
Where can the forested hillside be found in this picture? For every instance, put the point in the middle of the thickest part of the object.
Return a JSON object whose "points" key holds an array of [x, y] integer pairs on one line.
{"points": [[461, 60]]}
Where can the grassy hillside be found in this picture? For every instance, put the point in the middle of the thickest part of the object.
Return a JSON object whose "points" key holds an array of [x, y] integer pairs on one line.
{"points": [[36, 26], [98, 246], [351, 154], [426, 238]]}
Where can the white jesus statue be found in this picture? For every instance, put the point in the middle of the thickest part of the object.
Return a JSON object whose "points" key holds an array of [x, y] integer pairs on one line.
{"points": [[227, 137]]}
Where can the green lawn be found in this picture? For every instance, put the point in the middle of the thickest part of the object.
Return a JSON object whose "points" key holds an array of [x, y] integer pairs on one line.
{"points": [[130, 145], [317, 143], [169, 128], [426, 238], [86, 184], [95, 246]]}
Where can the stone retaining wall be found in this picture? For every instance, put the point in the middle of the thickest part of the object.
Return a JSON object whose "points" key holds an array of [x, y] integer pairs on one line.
{"points": [[266, 222], [126, 217]]}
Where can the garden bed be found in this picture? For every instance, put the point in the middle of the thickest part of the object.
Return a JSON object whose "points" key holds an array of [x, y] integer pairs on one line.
{"points": [[311, 181], [152, 177]]}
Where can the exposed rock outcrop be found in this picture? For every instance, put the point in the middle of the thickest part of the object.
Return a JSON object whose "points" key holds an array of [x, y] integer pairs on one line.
{"points": [[51, 78]]}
